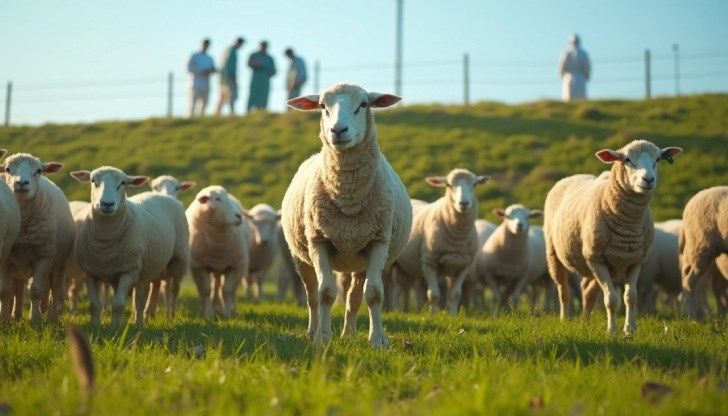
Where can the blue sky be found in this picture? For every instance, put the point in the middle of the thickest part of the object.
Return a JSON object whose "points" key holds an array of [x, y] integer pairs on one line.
{"points": [[88, 60]]}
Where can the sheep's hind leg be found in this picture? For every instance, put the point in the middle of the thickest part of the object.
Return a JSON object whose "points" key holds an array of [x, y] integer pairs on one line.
{"points": [[374, 293], [353, 302], [611, 297]]}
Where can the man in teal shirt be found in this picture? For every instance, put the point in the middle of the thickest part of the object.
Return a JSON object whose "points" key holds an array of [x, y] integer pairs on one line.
{"points": [[263, 69], [229, 77]]}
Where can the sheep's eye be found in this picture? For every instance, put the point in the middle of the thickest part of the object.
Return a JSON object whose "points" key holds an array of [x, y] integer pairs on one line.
{"points": [[37, 172], [218, 199], [96, 184], [323, 106], [627, 160], [176, 188], [121, 185], [363, 104]]}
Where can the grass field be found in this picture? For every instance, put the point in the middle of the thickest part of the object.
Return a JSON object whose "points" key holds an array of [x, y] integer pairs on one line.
{"points": [[261, 363]]}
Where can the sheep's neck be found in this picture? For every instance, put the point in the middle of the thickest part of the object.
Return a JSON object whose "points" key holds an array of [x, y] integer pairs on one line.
{"points": [[33, 219], [625, 209], [512, 246], [459, 225], [109, 228], [349, 175]]}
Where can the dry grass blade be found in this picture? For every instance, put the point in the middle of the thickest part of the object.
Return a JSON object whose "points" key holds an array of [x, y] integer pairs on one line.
{"points": [[83, 363], [654, 392]]}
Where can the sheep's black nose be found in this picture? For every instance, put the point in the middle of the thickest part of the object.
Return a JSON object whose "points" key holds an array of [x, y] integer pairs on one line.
{"points": [[648, 180], [107, 204], [339, 130]]}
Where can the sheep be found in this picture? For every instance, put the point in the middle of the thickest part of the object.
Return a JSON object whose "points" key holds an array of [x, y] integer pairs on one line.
{"points": [[262, 220], [45, 238], [443, 241], [219, 238], [169, 185], [601, 228], [472, 288], [703, 238], [287, 274], [345, 209], [9, 229], [75, 277], [720, 283], [505, 258], [660, 268], [128, 242]]}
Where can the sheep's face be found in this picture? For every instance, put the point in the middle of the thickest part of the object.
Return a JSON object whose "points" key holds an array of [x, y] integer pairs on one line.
{"points": [[345, 109], [264, 226], [23, 172], [222, 208], [108, 188], [639, 163], [169, 185], [460, 184], [516, 217]]}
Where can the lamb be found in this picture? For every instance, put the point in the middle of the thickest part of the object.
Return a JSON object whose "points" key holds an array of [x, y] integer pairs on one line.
{"points": [[219, 238], [443, 241], [169, 185], [703, 238], [601, 228], [505, 258], [128, 242], [9, 229], [263, 220], [346, 209], [45, 238]]}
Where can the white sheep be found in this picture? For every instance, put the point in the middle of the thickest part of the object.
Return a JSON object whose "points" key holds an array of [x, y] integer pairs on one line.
{"points": [[346, 209], [9, 229], [472, 288], [128, 242], [219, 238], [661, 267], [703, 238], [443, 241], [46, 234], [262, 220], [75, 276], [169, 185], [504, 261], [601, 228]]}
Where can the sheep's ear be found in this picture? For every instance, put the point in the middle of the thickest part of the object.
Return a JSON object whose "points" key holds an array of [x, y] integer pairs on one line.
{"points": [[482, 179], [437, 181], [203, 199], [187, 185], [609, 156], [136, 180], [82, 176], [52, 167], [246, 214], [499, 212], [304, 102], [669, 152], [378, 100], [3, 152], [535, 213]]}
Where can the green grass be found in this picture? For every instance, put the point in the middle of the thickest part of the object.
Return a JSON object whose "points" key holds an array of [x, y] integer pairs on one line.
{"points": [[261, 363]]}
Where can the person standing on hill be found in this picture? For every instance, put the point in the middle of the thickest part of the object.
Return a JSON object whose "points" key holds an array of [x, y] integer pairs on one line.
{"points": [[263, 69], [200, 66], [229, 77], [296, 74], [575, 69]]}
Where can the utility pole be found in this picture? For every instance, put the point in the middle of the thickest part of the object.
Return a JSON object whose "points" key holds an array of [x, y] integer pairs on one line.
{"points": [[466, 79], [398, 52], [170, 93], [648, 79], [316, 72], [8, 95], [677, 69]]}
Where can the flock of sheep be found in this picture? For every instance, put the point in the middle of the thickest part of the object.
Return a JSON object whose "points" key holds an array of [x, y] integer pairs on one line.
{"points": [[347, 226]]}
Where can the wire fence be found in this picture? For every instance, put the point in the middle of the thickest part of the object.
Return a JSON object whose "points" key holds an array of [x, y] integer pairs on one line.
{"points": [[150, 96]]}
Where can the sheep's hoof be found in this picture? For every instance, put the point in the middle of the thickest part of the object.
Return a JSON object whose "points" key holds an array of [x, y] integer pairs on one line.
{"points": [[379, 340]]}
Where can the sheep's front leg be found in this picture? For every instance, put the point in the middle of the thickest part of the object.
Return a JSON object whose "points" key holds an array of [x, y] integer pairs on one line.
{"points": [[95, 306], [310, 283], [497, 295], [7, 289], [611, 297], [630, 300], [233, 277], [374, 293], [141, 291], [433, 289], [693, 282], [39, 289], [353, 302], [202, 281], [326, 289], [151, 308], [126, 282], [456, 290]]}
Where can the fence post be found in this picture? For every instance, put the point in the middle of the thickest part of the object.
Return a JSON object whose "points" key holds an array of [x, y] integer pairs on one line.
{"points": [[8, 95], [170, 93], [648, 79], [466, 79]]}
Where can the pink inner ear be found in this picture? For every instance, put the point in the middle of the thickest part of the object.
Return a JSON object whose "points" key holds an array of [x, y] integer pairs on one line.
{"points": [[305, 103], [139, 180], [52, 167], [607, 156], [385, 100]]}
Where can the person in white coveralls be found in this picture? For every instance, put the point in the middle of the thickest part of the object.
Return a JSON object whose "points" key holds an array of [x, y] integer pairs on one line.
{"points": [[575, 69], [200, 66]]}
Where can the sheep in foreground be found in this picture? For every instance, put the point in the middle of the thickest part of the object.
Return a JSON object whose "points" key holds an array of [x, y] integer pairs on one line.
{"points": [[9, 229], [263, 220], [703, 238], [169, 185], [505, 259], [346, 209], [219, 239], [46, 234], [443, 241], [601, 228], [128, 242]]}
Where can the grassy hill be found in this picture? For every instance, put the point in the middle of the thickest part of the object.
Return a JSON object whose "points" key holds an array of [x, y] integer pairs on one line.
{"points": [[526, 148]]}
